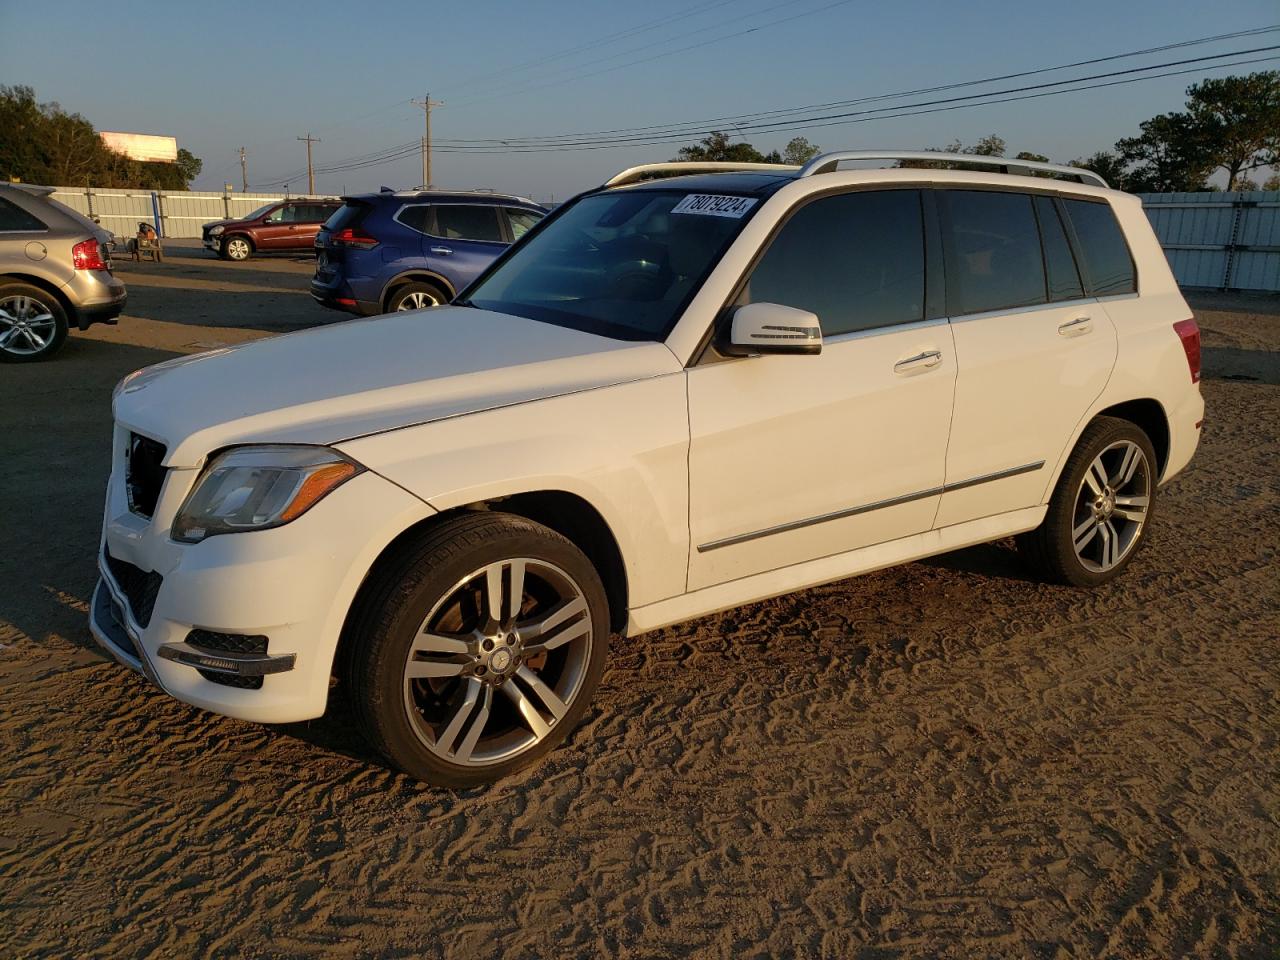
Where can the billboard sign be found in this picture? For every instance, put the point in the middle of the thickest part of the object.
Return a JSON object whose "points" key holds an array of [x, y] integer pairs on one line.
{"points": [[142, 146]]}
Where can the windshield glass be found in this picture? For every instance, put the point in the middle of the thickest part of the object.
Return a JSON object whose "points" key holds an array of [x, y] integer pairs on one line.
{"points": [[259, 212], [622, 265]]}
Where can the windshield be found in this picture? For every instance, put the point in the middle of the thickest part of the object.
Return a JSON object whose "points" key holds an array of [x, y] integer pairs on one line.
{"points": [[622, 265], [259, 212]]}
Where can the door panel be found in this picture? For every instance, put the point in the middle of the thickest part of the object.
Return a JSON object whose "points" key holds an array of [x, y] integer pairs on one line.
{"points": [[786, 441]]}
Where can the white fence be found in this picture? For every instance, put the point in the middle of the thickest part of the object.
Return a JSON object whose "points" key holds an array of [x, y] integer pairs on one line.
{"points": [[1228, 241], [174, 213]]}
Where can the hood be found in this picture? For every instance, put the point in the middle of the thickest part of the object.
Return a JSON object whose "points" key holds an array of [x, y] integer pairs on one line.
{"points": [[208, 224], [359, 377]]}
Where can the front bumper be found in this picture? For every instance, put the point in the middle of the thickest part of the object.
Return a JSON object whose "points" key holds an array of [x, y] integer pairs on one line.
{"points": [[292, 585]]}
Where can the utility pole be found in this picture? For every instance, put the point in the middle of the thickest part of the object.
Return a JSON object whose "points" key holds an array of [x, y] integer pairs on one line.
{"points": [[244, 172], [426, 103], [311, 176]]}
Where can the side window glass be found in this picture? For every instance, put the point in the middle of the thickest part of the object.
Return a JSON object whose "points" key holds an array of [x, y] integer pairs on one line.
{"points": [[521, 221], [467, 222], [856, 260], [415, 218], [1064, 278], [992, 248], [277, 215], [13, 217], [1106, 256]]}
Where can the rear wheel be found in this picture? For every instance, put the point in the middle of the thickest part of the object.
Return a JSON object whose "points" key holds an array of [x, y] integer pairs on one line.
{"points": [[478, 650], [237, 248], [415, 296], [1100, 510], [33, 324]]}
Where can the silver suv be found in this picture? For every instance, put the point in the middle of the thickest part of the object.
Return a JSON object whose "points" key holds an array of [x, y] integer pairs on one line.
{"points": [[55, 270]]}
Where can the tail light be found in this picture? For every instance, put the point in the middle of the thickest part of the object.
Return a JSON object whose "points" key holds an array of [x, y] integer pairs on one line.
{"points": [[353, 237], [87, 255], [1189, 333]]}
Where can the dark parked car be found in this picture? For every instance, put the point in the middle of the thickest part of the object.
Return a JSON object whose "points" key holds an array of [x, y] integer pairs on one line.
{"points": [[405, 250], [283, 225], [55, 270]]}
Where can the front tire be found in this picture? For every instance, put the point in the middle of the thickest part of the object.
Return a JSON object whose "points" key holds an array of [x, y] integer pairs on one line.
{"points": [[238, 249], [33, 324], [476, 651], [1101, 508]]}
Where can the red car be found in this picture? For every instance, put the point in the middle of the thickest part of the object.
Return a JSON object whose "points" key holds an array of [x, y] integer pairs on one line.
{"points": [[282, 225]]}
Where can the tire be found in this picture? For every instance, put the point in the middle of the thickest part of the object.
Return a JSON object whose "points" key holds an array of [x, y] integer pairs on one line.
{"points": [[443, 690], [1097, 518], [33, 324], [237, 248], [415, 296]]}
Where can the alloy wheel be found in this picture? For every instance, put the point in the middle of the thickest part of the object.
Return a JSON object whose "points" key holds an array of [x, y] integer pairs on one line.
{"points": [[238, 249], [27, 326], [498, 661], [416, 300], [1111, 506]]}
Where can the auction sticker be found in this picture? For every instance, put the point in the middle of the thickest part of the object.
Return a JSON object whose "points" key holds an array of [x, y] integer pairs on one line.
{"points": [[711, 205]]}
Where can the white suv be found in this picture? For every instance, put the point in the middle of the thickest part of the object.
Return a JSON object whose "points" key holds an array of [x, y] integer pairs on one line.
{"points": [[673, 396]]}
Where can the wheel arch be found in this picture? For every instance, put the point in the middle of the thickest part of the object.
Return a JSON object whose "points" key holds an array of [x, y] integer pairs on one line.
{"points": [[417, 275], [73, 315], [569, 514], [240, 235], [1150, 417]]}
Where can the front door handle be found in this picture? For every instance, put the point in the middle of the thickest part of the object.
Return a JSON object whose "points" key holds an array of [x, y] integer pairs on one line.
{"points": [[442, 251], [1074, 328], [921, 361]]}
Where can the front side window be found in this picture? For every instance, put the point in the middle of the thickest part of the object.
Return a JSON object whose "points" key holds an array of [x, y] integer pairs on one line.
{"points": [[467, 222], [14, 218], [992, 248], [1106, 256], [521, 221], [620, 264], [856, 260]]}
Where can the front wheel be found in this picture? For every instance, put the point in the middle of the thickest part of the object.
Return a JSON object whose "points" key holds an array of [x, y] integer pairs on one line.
{"points": [[477, 651], [1101, 508], [237, 248]]}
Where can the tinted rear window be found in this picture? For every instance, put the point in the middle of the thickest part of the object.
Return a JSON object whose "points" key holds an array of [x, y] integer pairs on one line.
{"points": [[1064, 278], [13, 217], [467, 222], [855, 260], [1107, 262], [992, 249], [347, 215]]}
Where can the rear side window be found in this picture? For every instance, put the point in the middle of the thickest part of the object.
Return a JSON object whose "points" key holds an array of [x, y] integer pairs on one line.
{"points": [[992, 248], [1107, 262], [856, 260], [467, 222], [416, 218], [1060, 265], [13, 217]]}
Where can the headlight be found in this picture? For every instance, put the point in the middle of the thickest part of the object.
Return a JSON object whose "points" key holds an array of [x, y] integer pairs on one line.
{"points": [[255, 488], [214, 231]]}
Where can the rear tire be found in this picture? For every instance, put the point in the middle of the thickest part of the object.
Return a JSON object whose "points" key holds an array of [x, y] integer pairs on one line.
{"points": [[237, 248], [415, 296], [1100, 510], [33, 324], [452, 694]]}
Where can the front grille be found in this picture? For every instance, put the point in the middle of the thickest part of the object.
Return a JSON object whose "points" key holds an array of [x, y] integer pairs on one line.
{"points": [[143, 473], [139, 587], [229, 643]]}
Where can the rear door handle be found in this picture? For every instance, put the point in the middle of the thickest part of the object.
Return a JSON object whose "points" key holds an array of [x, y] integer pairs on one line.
{"points": [[921, 361], [443, 251], [1074, 328]]}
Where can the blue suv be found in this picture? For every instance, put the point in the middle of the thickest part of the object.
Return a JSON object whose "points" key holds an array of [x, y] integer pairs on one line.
{"points": [[390, 251]]}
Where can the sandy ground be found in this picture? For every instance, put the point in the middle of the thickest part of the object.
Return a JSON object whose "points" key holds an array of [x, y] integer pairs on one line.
{"points": [[942, 760]]}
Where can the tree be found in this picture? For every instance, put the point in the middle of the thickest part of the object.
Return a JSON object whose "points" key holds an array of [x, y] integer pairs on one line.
{"points": [[1273, 182], [798, 151], [1170, 155], [1237, 119], [42, 143], [717, 147], [1037, 157], [1108, 166]]}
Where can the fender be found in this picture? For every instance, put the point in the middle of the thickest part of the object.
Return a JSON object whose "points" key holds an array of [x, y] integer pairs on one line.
{"points": [[417, 273]]}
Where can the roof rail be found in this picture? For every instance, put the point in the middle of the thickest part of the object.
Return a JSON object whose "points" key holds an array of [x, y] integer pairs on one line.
{"points": [[677, 167], [827, 162]]}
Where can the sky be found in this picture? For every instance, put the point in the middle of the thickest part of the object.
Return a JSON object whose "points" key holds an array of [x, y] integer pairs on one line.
{"points": [[259, 75]]}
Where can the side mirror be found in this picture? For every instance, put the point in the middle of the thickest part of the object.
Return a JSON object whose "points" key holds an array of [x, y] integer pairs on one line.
{"points": [[772, 328]]}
